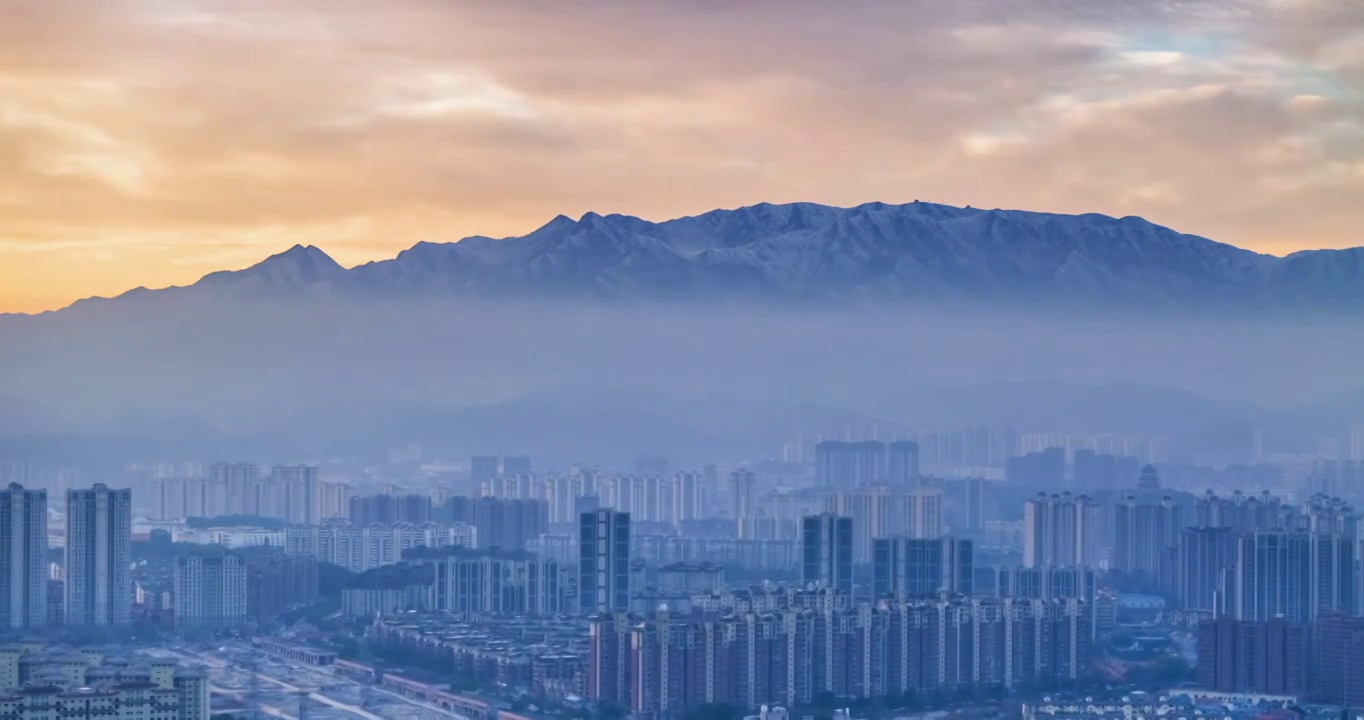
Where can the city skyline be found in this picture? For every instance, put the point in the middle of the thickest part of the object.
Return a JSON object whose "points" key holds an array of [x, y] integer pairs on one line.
{"points": [[152, 144]]}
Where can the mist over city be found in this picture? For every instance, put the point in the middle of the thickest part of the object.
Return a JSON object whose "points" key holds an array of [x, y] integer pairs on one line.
{"points": [[871, 360]]}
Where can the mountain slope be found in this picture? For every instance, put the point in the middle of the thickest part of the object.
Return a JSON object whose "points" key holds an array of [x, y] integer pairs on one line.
{"points": [[804, 251]]}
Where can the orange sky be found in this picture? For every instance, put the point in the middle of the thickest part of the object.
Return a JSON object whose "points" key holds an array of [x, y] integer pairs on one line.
{"points": [[148, 142]]}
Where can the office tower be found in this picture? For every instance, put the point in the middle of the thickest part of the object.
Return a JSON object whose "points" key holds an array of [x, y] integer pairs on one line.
{"points": [[604, 561], [907, 568], [1057, 530], [1045, 469], [482, 467], [1143, 533], [1271, 656], [210, 592], [902, 463], [849, 464], [1357, 442], [827, 551], [23, 557], [513, 465], [1206, 568], [99, 539]]}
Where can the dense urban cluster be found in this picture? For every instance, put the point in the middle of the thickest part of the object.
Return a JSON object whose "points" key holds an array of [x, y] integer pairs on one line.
{"points": [[952, 568]]}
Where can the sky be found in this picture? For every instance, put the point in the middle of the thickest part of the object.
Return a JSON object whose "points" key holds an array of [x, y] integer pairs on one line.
{"points": [[149, 142]]}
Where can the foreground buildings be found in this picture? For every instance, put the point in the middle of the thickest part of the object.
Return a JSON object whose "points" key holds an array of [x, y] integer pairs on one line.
{"points": [[23, 558], [657, 665], [38, 683], [99, 540]]}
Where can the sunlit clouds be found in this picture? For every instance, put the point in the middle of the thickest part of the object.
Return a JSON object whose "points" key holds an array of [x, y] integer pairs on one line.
{"points": [[148, 142]]}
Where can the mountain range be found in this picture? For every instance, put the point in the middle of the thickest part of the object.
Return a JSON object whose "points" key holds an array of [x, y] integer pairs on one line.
{"points": [[807, 252]]}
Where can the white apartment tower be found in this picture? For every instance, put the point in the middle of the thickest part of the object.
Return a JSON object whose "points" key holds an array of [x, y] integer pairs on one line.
{"points": [[1057, 530], [23, 557], [99, 539], [210, 592]]}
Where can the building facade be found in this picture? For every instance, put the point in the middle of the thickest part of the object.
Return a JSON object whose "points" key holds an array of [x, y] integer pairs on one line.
{"points": [[827, 551], [98, 585], [210, 592], [604, 561], [23, 558]]}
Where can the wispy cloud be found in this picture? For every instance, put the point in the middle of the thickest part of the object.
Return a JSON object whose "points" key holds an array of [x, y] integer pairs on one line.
{"points": [[184, 123]]}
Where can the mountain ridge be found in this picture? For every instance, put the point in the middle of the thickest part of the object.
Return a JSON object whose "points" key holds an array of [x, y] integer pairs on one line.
{"points": [[872, 252]]}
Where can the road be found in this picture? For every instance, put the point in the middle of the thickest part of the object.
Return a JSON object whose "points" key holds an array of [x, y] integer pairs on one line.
{"points": [[314, 696]]}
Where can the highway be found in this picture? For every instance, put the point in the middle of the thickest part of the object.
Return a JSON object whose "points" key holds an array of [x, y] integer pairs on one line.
{"points": [[314, 696]]}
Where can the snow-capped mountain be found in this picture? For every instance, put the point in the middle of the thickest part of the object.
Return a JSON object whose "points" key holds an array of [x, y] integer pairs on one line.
{"points": [[915, 251]]}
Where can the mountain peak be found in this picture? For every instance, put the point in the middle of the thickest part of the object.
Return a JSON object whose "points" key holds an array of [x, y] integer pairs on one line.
{"points": [[303, 255]]}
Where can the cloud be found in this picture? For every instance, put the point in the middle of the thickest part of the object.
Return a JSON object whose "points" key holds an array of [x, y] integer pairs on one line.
{"points": [[209, 124]]}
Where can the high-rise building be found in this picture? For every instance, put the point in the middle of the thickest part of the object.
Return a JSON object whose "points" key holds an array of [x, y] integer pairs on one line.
{"points": [[658, 665], [1043, 470], [23, 557], [500, 522], [235, 489], [99, 539], [827, 551], [497, 582], [359, 548], [515, 465], [902, 463], [1357, 442], [1143, 534], [210, 592], [295, 490], [1243, 513], [1271, 656], [1057, 529], [1206, 568], [923, 510], [1273, 577], [908, 568], [483, 467], [1104, 471], [604, 561], [371, 509], [1338, 651], [1049, 582], [741, 486], [850, 464], [276, 582]]}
